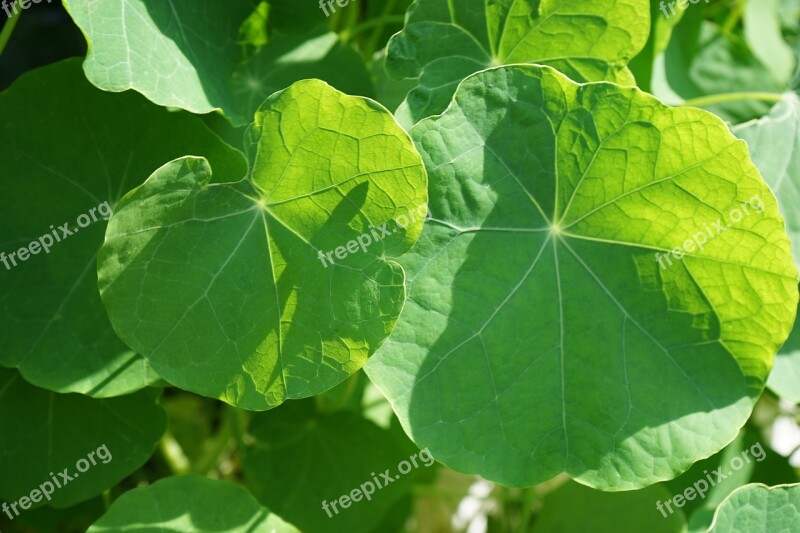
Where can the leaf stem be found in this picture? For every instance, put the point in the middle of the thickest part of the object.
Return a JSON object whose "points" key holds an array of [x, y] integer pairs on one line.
{"points": [[734, 17], [8, 29], [107, 499], [732, 97], [350, 33], [226, 437], [173, 454], [372, 43]]}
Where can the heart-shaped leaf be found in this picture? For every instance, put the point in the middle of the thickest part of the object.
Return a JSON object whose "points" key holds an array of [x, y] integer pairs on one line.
{"points": [[603, 280], [189, 503], [56, 199], [443, 42], [68, 445], [233, 290]]}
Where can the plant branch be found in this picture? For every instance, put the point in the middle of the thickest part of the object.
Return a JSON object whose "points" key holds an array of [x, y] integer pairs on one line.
{"points": [[732, 97], [8, 29]]}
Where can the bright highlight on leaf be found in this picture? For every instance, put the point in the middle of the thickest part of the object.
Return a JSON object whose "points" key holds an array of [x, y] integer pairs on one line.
{"points": [[541, 334], [443, 42], [224, 288]]}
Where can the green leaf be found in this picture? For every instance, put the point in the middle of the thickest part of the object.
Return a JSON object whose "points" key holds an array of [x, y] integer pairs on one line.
{"points": [[45, 432], [774, 143], [189, 503], [573, 507], [226, 288], [745, 460], [785, 377], [186, 54], [661, 31], [315, 458], [74, 519], [762, 30], [53, 326], [701, 60], [757, 508], [314, 54], [443, 42], [540, 334]]}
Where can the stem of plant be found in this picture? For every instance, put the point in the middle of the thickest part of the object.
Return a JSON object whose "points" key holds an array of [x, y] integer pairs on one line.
{"points": [[224, 439], [380, 22], [732, 97], [173, 454], [372, 44], [734, 17], [107, 500], [8, 29]]}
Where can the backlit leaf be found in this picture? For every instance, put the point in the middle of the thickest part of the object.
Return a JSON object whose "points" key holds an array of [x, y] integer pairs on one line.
{"points": [[551, 324], [443, 42], [232, 290]]}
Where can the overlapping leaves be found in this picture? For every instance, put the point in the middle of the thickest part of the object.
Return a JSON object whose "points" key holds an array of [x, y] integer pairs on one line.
{"points": [[443, 42], [227, 290], [53, 326], [187, 54]]}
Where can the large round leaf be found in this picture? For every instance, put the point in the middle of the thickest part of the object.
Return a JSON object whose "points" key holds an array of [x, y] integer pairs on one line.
{"points": [[757, 508], [53, 326], [443, 42], [230, 291], [552, 324], [189, 503], [48, 436]]}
